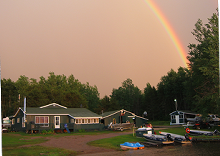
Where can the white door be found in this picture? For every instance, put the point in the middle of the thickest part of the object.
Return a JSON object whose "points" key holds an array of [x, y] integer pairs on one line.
{"points": [[177, 119], [57, 121]]}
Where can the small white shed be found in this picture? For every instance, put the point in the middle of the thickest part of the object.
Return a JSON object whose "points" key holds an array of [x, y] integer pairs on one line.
{"points": [[180, 117]]}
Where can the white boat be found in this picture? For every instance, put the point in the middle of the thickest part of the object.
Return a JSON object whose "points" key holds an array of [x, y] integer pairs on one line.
{"points": [[159, 139], [177, 138], [198, 132]]}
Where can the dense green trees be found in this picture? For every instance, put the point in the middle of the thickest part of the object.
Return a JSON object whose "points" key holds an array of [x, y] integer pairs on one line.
{"points": [[204, 65], [9, 97], [56, 88], [127, 96], [196, 88]]}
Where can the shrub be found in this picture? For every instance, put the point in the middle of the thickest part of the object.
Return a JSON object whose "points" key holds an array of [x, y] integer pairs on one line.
{"points": [[51, 131], [81, 130]]}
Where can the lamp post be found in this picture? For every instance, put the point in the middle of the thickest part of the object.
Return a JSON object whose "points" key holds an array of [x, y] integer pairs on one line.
{"points": [[175, 104]]}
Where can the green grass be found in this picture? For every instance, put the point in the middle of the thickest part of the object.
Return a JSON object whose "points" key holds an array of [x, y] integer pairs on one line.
{"points": [[15, 140], [175, 130], [114, 142], [160, 123], [182, 131], [36, 151], [12, 143]]}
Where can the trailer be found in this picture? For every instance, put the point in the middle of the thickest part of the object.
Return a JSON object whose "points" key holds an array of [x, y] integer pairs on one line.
{"points": [[120, 126]]}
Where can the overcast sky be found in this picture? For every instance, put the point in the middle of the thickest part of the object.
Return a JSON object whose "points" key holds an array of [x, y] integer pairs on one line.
{"points": [[102, 42]]}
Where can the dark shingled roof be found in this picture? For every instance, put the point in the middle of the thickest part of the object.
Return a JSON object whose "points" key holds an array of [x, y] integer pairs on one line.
{"points": [[61, 110]]}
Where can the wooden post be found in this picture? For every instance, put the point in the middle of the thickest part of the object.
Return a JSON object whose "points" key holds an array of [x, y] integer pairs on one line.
{"points": [[133, 130]]}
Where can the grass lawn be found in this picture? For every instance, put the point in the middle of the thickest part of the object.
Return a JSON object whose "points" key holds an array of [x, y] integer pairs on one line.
{"points": [[12, 142], [160, 123], [115, 142], [36, 151], [182, 131]]}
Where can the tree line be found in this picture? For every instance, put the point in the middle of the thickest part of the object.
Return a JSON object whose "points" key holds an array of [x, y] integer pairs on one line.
{"points": [[67, 91], [195, 88]]}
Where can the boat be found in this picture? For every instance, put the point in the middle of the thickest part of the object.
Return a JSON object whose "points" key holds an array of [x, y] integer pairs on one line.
{"points": [[134, 146], [177, 138], [198, 132], [159, 139]]}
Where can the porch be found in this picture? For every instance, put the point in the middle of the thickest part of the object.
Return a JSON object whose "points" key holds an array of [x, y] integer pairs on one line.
{"points": [[38, 128]]}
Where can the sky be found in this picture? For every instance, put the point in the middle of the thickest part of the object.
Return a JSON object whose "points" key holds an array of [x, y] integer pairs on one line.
{"points": [[103, 42]]}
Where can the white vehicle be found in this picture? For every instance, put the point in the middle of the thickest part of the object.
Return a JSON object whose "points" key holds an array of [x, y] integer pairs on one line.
{"points": [[120, 126], [6, 122]]}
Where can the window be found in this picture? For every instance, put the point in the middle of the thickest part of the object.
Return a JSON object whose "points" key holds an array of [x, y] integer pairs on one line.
{"points": [[181, 116], [173, 116], [42, 120], [78, 121], [13, 121], [18, 120], [71, 120], [96, 121], [86, 121]]}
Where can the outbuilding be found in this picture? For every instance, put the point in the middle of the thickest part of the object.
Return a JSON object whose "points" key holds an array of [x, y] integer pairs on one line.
{"points": [[122, 116], [180, 117]]}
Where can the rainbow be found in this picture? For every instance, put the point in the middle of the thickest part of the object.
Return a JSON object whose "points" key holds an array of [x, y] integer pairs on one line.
{"points": [[169, 30]]}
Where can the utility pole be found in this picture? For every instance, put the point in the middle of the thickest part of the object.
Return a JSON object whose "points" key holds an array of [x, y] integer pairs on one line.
{"points": [[175, 104]]}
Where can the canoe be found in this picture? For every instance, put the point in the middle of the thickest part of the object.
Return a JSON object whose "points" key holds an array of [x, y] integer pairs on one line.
{"points": [[198, 132], [177, 138], [159, 139]]}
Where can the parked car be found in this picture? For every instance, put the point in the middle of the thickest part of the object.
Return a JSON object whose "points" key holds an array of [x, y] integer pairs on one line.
{"points": [[6, 123], [201, 125], [213, 119]]}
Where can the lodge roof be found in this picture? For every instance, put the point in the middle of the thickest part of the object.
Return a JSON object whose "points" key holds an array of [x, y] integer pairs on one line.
{"points": [[56, 109]]}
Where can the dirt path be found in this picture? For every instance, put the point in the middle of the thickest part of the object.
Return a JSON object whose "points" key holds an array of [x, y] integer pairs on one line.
{"points": [[79, 142]]}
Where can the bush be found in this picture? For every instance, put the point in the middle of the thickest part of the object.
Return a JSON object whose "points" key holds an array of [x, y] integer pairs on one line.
{"points": [[51, 131], [44, 132], [82, 130]]}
